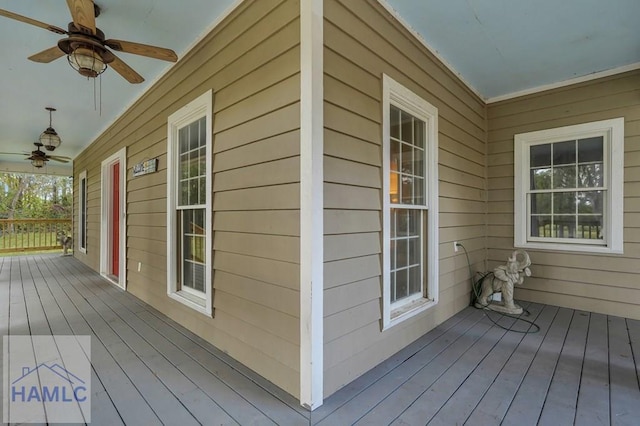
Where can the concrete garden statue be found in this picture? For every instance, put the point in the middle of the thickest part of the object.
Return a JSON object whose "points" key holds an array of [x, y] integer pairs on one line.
{"points": [[502, 280]]}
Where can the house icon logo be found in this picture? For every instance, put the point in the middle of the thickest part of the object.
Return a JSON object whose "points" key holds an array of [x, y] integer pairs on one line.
{"points": [[46, 379], [48, 383]]}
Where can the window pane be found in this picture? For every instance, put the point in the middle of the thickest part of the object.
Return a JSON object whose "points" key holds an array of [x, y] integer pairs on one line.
{"points": [[402, 287], [590, 202], [541, 226], [407, 189], [564, 152], [394, 221], [394, 187], [194, 135], [564, 226], [402, 254], [590, 227], [419, 190], [540, 155], [541, 178], [407, 159], [203, 131], [402, 222], [590, 175], [394, 122], [418, 162], [415, 280], [564, 202], [414, 251], [394, 158], [406, 127], [540, 203], [184, 193], [414, 222], [393, 286], [419, 132], [564, 177], [590, 150], [202, 186], [183, 138]]}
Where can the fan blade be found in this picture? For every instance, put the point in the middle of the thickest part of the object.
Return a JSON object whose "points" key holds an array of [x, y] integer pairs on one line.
{"points": [[48, 55], [26, 20], [83, 14], [142, 49], [125, 71], [14, 153], [59, 158]]}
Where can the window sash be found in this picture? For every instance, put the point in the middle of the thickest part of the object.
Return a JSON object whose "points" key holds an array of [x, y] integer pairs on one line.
{"points": [[574, 162]]}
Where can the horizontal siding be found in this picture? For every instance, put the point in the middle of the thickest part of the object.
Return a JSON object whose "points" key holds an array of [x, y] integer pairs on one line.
{"points": [[361, 43], [251, 61], [605, 284]]}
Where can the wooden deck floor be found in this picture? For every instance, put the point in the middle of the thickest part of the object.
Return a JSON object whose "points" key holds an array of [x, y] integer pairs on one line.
{"points": [[580, 368]]}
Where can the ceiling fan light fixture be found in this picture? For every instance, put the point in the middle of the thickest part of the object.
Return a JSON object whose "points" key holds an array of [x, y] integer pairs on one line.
{"points": [[38, 162], [50, 139], [87, 62]]}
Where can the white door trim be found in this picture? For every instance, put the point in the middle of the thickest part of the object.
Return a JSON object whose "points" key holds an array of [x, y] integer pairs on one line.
{"points": [[105, 225]]}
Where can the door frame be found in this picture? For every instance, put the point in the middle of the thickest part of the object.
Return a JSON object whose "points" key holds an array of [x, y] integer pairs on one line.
{"points": [[106, 197]]}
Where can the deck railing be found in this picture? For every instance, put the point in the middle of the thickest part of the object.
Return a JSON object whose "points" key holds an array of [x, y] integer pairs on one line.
{"points": [[32, 234]]}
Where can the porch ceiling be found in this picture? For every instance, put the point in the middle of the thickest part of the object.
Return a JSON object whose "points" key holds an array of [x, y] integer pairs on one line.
{"points": [[497, 47]]}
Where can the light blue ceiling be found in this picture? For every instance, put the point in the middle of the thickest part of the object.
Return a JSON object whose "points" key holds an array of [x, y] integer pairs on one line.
{"points": [[497, 46], [504, 46]]}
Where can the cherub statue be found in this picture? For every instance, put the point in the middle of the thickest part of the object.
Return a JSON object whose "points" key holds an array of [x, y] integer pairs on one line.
{"points": [[502, 280]]}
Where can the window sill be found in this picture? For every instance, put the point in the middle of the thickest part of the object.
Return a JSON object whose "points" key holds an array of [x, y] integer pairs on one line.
{"points": [[409, 310], [194, 302], [582, 248]]}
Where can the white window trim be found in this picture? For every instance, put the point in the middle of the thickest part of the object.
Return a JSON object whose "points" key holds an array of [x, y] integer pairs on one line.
{"points": [[82, 205], [200, 107], [393, 93], [613, 130]]}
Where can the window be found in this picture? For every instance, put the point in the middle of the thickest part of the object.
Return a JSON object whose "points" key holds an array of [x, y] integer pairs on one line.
{"points": [[568, 187], [410, 212], [189, 204], [82, 212]]}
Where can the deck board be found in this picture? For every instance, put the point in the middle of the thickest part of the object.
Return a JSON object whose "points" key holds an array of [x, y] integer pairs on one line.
{"points": [[593, 397], [580, 368]]}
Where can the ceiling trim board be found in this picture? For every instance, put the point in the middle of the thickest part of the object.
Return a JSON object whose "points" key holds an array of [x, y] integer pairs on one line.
{"points": [[564, 83]]}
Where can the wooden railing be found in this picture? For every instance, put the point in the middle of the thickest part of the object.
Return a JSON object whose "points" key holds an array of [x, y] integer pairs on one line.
{"points": [[32, 234]]}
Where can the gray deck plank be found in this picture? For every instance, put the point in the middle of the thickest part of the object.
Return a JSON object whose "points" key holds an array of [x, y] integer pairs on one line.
{"points": [[172, 364], [465, 399], [165, 404], [494, 404], [346, 397], [272, 401], [394, 404], [634, 339], [70, 322], [275, 405], [624, 388], [131, 406], [367, 400], [529, 399], [593, 397], [560, 403]]}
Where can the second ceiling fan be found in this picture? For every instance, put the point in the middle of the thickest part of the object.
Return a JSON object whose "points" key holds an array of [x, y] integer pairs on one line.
{"points": [[86, 47]]}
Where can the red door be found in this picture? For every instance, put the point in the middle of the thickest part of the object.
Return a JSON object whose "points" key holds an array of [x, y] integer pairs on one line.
{"points": [[115, 221]]}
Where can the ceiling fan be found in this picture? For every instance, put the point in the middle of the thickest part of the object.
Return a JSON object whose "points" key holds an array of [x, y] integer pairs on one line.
{"points": [[38, 157], [86, 47]]}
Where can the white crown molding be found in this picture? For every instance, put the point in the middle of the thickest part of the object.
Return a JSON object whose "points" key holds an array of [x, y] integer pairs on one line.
{"points": [[576, 80]]}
